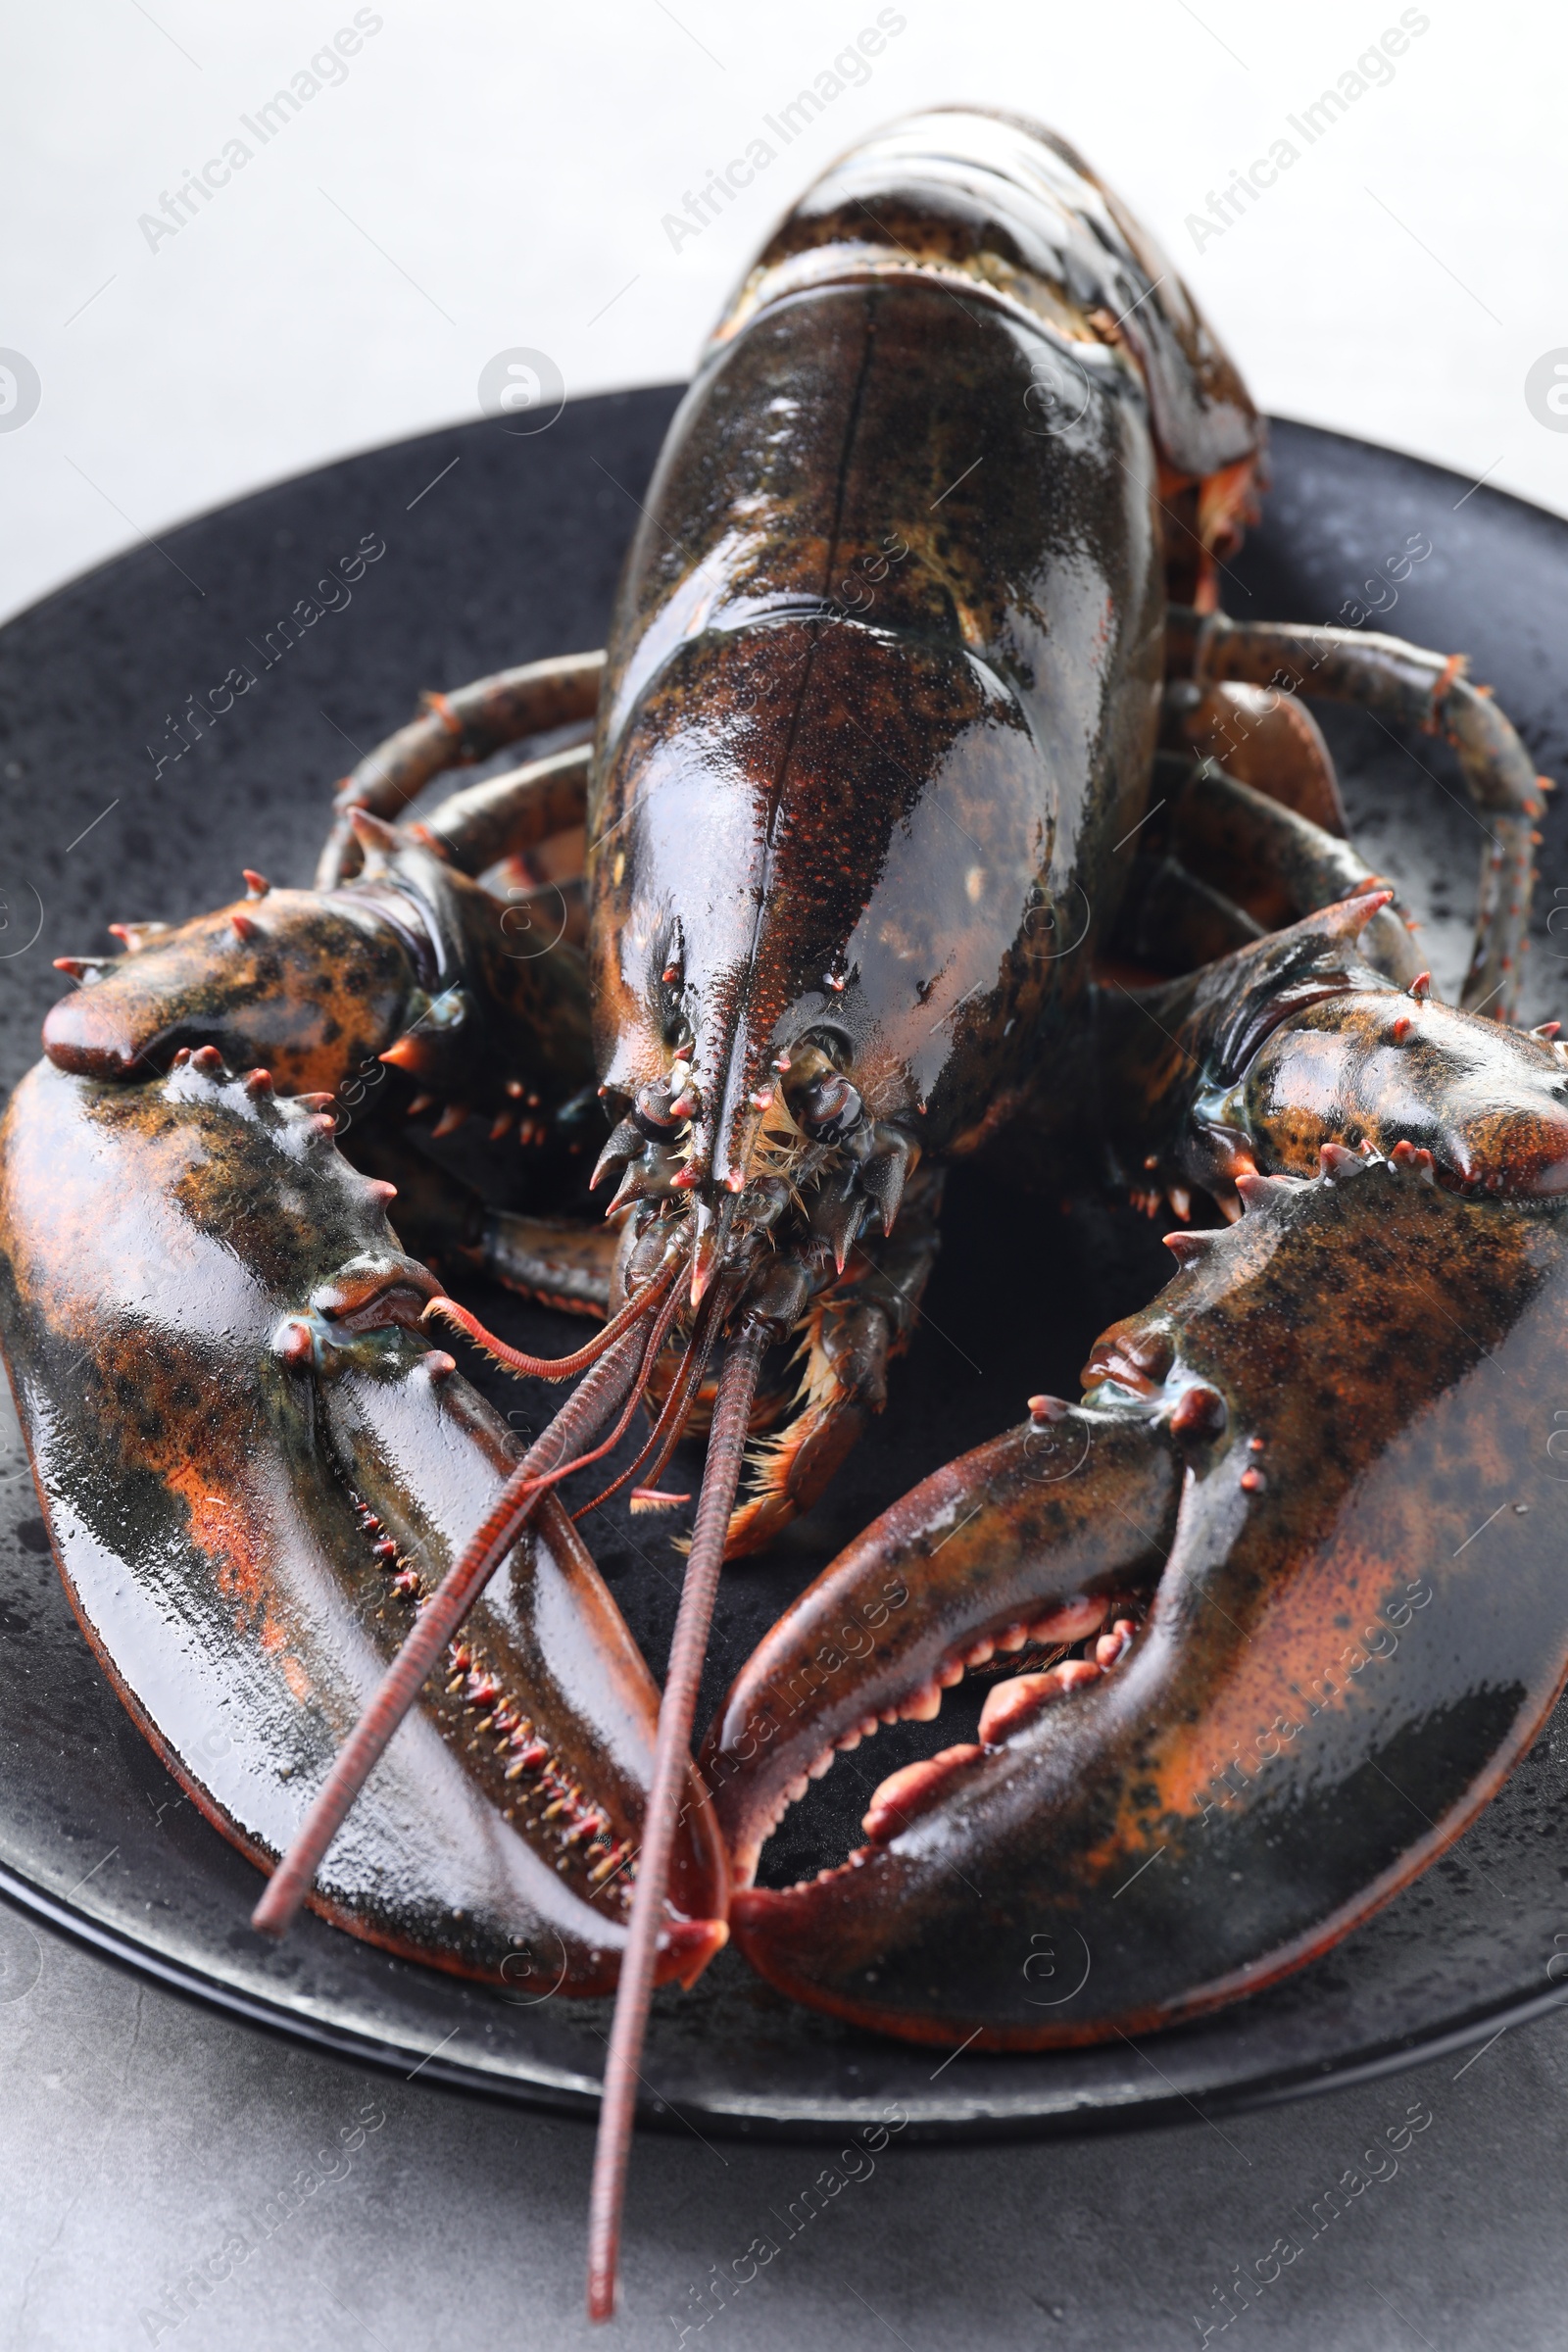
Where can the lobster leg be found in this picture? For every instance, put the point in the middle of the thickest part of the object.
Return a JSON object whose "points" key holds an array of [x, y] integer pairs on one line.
{"points": [[454, 730], [1236, 862], [560, 1261], [1278, 864], [1172, 921], [563, 1262], [526, 833], [507, 815], [1417, 688], [850, 1336], [1262, 738]]}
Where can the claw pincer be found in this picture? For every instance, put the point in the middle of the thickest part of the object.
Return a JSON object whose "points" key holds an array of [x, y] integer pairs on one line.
{"points": [[1314, 1473]]}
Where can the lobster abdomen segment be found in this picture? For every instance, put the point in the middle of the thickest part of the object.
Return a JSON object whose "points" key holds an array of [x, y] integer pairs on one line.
{"points": [[1000, 212]]}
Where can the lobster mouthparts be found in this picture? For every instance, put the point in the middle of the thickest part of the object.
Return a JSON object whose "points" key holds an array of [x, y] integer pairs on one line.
{"points": [[1323, 1449], [256, 1468]]}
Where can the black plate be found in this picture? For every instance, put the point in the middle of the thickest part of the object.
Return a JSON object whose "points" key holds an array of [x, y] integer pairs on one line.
{"points": [[500, 548]]}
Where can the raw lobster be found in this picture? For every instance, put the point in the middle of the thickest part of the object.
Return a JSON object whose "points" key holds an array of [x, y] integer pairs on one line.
{"points": [[934, 812]]}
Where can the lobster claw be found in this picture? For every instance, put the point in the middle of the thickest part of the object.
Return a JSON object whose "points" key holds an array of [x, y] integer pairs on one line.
{"points": [[406, 965], [311, 986], [1321, 1458], [254, 1467]]}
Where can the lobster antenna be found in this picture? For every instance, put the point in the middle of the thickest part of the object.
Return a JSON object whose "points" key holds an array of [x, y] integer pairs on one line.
{"points": [[732, 1412], [619, 1375]]}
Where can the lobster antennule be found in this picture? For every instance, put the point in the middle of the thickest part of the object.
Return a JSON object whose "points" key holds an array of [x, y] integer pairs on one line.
{"points": [[556, 1367], [671, 1758], [618, 1379], [670, 1421]]}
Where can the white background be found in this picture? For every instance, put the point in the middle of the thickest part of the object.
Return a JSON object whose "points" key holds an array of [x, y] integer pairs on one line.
{"points": [[492, 176]]}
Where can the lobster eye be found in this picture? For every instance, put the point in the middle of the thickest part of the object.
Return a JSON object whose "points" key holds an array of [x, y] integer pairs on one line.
{"points": [[650, 1112], [663, 1106], [830, 1107]]}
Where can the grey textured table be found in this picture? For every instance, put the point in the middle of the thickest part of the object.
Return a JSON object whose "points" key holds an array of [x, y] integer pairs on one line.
{"points": [[144, 2143]]}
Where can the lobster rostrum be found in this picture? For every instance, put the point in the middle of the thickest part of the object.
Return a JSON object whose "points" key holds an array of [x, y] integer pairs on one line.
{"points": [[933, 812]]}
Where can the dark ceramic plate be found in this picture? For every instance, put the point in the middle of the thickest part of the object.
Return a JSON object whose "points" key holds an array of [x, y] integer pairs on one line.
{"points": [[499, 548]]}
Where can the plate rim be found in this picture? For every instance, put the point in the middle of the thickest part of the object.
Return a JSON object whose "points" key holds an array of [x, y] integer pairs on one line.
{"points": [[553, 2091]]}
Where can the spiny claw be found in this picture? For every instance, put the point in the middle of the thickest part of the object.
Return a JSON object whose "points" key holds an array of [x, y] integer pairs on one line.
{"points": [[254, 992], [319, 985], [257, 1469]]}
